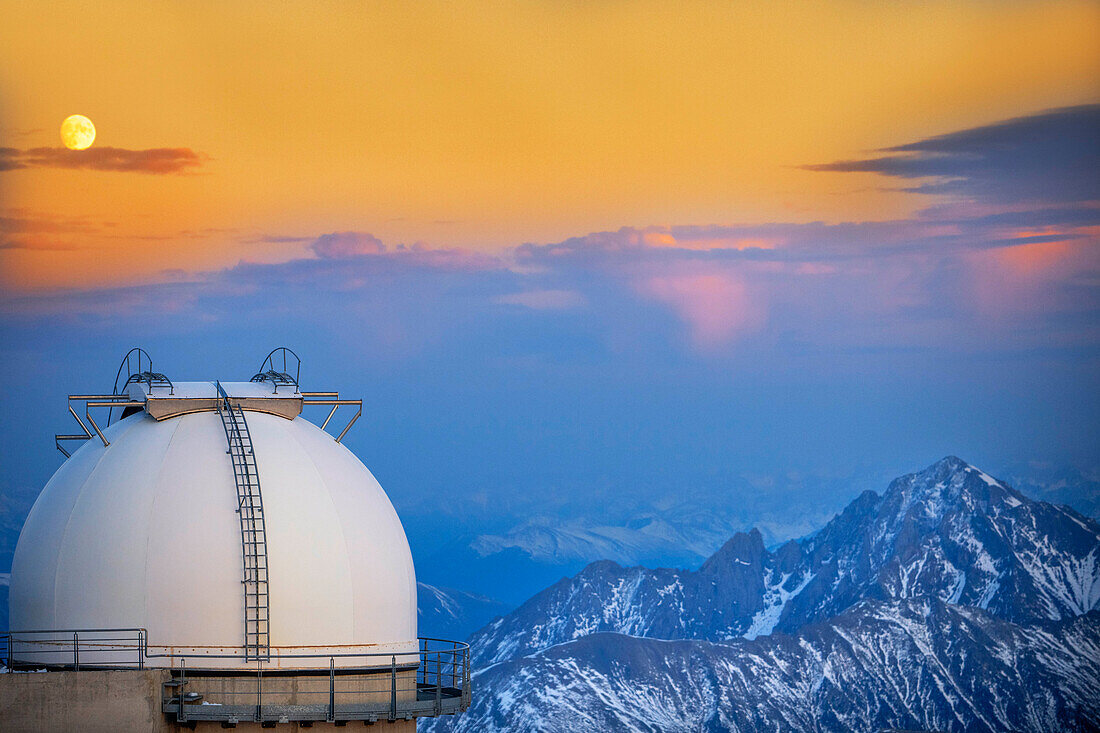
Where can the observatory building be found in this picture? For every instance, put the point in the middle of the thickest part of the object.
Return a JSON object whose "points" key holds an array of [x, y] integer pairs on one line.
{"points": [[206, 555]]}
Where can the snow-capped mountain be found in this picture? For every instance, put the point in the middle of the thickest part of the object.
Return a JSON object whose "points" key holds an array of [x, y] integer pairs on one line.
{"points": [[684, 534], [447, 613], [901, 664], [558, 542], [950, 532]]}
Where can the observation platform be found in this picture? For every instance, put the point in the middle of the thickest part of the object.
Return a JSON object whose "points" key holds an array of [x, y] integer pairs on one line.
{"points": [[106, 663], [187, 397]]}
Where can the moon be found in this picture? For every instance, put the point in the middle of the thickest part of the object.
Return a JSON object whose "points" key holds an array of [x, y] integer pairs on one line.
{"points": [[77, 132]]}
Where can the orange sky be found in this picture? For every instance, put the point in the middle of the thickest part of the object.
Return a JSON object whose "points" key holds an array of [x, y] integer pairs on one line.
{"points": [[487, 124]]}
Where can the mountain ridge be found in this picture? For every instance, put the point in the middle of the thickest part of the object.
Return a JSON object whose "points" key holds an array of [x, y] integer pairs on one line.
{"points": [[950, 531], [915, 663]]}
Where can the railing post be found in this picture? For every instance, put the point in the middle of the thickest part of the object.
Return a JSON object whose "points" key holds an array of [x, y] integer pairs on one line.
{"points": [[259, 694], [141, 649], [76, 651], [182, 715], [393, 688], [438, 685], [331, 689]]}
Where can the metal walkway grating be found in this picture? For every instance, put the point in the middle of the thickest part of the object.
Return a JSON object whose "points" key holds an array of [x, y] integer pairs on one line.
{"points": [[250, 507]]}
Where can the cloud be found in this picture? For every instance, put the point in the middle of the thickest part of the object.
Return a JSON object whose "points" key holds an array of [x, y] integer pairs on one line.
{"points": [[715, 305], [23, 222], [634, 240], [986, 270], [33, 231], [339, 245], [362, 246], [275, 239], [951, 283], [1052, 156], [104, 158], [36, 244]]}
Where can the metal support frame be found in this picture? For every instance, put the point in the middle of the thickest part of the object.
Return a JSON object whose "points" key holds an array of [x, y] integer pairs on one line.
{"points": [[137, 366], [110, 401], [250, 507], [333, 399]]}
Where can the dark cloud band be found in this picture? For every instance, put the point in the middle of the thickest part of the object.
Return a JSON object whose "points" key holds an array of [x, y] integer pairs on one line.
{"points": [[154, 160], [1051, 157]]}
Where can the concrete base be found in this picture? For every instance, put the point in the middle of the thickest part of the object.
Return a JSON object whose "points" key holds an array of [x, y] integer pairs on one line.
{"points": [[94, 701]]}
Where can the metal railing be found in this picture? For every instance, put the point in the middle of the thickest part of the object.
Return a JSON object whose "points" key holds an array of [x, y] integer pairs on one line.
{"points": [[110, 401], [366, 686], [333, 399], [74, 649], [271, 371]]}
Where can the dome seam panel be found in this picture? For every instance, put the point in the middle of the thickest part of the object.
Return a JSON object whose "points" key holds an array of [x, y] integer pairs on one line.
{"points": [[148, 522], [72, 511], [340, 522]]}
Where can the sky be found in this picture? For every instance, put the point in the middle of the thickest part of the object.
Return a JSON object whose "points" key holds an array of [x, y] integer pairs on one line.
{"points": [[568, 250]]}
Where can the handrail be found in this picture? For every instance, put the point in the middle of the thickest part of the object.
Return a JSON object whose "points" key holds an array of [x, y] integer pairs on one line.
{"points": [[141, 636], [276, 376], [146, 375], [90, 401], [440, 684], [138, 353], [336, 404]]}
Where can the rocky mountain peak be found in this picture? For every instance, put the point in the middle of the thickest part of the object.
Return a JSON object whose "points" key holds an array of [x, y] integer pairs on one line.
{"points": [[950, 484], [950, 581], [950, 532], [743, 550]]}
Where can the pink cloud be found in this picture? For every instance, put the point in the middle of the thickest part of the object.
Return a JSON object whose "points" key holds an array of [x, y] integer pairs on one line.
{"points": [[1010, 281], [716, 306], [664, 237]]}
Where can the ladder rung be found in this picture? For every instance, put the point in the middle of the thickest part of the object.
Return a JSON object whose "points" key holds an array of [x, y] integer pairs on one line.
{"points": [[246, 477]]}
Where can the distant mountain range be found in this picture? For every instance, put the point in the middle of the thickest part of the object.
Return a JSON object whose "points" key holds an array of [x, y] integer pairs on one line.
{"points": [[680, 529], [686, 533], [446, 613], [664, 532], [1058, 484], [951, 601]]}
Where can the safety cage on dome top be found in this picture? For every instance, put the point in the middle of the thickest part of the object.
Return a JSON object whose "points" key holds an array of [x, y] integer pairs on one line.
{"points": [[276, 369], [138, 387]]}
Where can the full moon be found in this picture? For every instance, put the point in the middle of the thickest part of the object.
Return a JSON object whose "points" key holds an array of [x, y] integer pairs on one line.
{"points": [[77, 132]]}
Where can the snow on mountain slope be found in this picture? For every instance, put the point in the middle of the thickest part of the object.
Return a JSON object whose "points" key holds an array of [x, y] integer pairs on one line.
{"points": [[682, 529], [909, 664], [447, 613], [577, 540], [950, 532]]}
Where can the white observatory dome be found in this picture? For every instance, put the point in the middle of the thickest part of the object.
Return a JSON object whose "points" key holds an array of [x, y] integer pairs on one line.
{"points": [[145, 533]]}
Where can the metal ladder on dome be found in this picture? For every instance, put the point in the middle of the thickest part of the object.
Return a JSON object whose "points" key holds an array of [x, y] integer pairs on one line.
{"points": [[250, 507]]}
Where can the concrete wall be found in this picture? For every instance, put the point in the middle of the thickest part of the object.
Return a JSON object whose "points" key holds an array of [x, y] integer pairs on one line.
{"points": [[107, 702]]}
